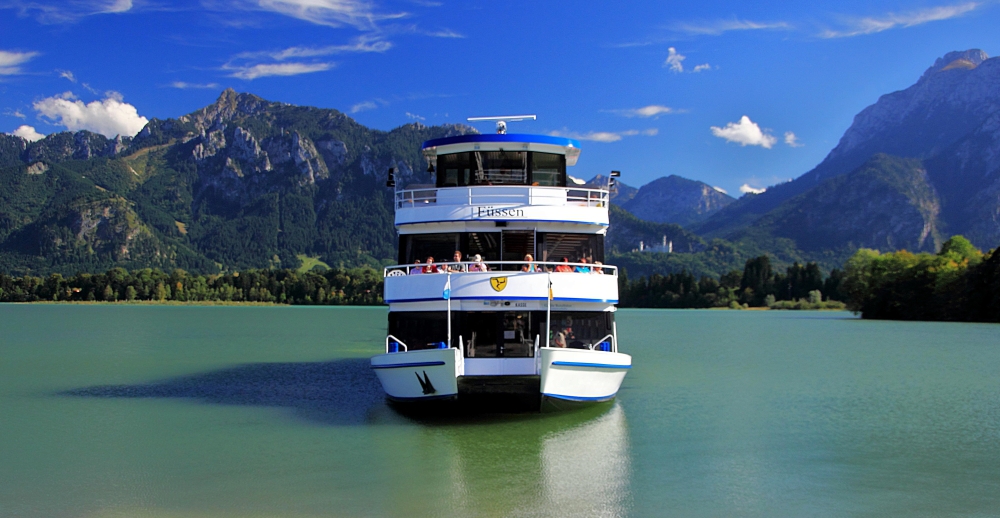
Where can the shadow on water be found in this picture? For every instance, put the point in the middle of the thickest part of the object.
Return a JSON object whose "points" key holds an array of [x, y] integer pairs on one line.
{"points": [[339, 392]]}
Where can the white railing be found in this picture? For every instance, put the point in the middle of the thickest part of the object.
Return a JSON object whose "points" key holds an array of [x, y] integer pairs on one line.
{"points": [[524, 267], [501, 194], [398, 342]]}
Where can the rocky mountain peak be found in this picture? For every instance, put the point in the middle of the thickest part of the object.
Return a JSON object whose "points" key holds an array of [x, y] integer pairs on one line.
{"points": [[229, 106], [965, 60]]}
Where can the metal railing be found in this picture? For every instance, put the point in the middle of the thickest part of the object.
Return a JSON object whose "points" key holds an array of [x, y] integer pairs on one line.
{"points": [[526, 268], [480, 195], [397, 341]]}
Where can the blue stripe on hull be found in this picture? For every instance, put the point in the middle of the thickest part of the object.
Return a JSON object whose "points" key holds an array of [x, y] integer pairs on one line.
{"points": [[580, 398], [556, 299], [403, 365], [594, 365]]}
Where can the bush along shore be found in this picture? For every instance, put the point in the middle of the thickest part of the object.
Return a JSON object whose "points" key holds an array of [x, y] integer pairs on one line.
{"points": [[959, 283], [757, 286], [335, 286]]}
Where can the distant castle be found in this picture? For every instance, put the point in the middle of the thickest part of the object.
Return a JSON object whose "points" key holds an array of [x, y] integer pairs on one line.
{"points": [[667, 246]]}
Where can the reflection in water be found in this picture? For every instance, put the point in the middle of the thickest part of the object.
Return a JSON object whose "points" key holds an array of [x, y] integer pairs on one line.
{"points": [[570, 464]]}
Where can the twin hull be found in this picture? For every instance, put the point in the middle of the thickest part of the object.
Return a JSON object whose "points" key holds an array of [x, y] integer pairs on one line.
{"points": [[561, 374]]}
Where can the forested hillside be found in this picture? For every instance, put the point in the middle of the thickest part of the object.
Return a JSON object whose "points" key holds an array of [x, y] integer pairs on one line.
{"points": [[242, 183]]}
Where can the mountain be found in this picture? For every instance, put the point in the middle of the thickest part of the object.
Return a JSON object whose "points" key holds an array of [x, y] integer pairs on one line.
{"points": [[674, 199], [241, 183], [948, 121], [620, 194]]}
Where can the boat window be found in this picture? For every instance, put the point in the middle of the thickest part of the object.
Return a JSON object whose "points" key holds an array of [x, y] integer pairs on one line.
{"points": [[442, 246], [580, 329], [419, 329], [501, 168], [552, 247], [454, 169], [548, 169]]}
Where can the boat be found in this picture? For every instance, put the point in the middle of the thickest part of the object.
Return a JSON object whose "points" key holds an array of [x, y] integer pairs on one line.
{"points": [[501, 295]]}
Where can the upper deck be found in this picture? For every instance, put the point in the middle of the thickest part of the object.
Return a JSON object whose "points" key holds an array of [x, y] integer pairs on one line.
{"points": [[502, 177]]}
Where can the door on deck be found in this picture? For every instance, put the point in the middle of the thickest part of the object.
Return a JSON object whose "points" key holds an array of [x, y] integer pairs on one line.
{"points": [[515, 244]]}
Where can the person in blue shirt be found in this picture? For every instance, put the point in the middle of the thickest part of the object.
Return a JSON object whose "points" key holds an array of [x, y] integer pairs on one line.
{"points": [[581, 268]]}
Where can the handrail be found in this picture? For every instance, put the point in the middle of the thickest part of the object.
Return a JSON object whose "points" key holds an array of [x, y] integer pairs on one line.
{"points": [[515, 195], [611, 341], [397, 340], [546, 267]]}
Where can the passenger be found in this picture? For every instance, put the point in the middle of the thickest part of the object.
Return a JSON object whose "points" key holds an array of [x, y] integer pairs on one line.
{"points": [[582, 269], [477, 264], [564, 267], [598, 267], [559, 340], [530, 267], [431, 267], [458, 267], [417, 269]]}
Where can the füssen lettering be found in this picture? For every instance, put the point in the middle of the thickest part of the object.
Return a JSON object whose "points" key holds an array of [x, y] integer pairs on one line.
{"points": [[491, 212]]}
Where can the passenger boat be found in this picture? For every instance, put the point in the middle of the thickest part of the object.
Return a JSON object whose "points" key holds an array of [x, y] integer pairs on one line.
{"points": [[501, 293]]}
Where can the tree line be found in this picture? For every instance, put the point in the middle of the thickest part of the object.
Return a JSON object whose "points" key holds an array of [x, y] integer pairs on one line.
{"points": [[758, 285], [335, 286], [959, 283]]}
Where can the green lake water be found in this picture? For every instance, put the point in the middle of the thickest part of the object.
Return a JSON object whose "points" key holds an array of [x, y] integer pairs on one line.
{"points": [[179, 411]]}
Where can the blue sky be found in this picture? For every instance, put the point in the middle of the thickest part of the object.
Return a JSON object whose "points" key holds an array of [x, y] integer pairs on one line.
{"points": [[735, 94]]}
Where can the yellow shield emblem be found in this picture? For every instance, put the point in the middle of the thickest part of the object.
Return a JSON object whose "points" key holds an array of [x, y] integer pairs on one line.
{"points": [[498, 283]]}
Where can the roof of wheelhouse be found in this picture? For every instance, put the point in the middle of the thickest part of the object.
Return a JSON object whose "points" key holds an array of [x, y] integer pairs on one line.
{"points": [[507, 142]]}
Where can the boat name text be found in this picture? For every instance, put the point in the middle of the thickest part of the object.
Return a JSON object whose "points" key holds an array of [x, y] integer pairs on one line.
{"points": [[492, 212]]}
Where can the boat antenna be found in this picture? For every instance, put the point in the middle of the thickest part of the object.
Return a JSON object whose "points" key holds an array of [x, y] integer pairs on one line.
{"points": [[503, 120]]}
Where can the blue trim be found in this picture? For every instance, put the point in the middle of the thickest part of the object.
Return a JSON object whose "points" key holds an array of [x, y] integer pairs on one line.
{"points": [[519, 138], [594, 365], [514, 220], [579, 398], [560, 299], [403, 365]]}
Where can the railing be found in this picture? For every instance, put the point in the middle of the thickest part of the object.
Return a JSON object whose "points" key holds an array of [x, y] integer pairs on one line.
{"points": [[510, 195], [526, 267], [397, 341]]}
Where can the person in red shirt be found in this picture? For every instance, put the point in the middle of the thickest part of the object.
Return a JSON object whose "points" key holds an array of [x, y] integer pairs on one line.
{"points": [[565, 267], [431, 267]]}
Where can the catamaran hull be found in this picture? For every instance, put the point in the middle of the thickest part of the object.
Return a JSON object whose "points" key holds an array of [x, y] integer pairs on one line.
{"points": [[424, 375], [568, 378]]}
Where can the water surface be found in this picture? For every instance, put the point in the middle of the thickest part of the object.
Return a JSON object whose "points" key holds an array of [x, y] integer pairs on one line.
{"points": [[272, 411]]}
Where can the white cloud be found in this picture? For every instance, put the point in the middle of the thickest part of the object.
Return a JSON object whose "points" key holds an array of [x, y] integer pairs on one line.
{"points": [[197, 86], [604, 136], [746, 189], [278, 69], [720, 189], [10, 61], [415, 116], [66, 11], [68, 75], [445, 33], [359, 45], [362, 106], [14, 113], [745, 133], [701, 68], [871, 25], [717, 27], [332, 13], [27, 133], [108, 117], [674, 60], [792, 140], [652, 110]]}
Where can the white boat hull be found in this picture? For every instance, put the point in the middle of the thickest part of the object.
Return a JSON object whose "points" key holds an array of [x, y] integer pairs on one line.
{"points": [[568, 375], [422, 375], [582, 375]]}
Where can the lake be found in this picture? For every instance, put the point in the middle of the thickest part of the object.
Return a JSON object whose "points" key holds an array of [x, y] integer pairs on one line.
{"points": [[181, 411]]}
